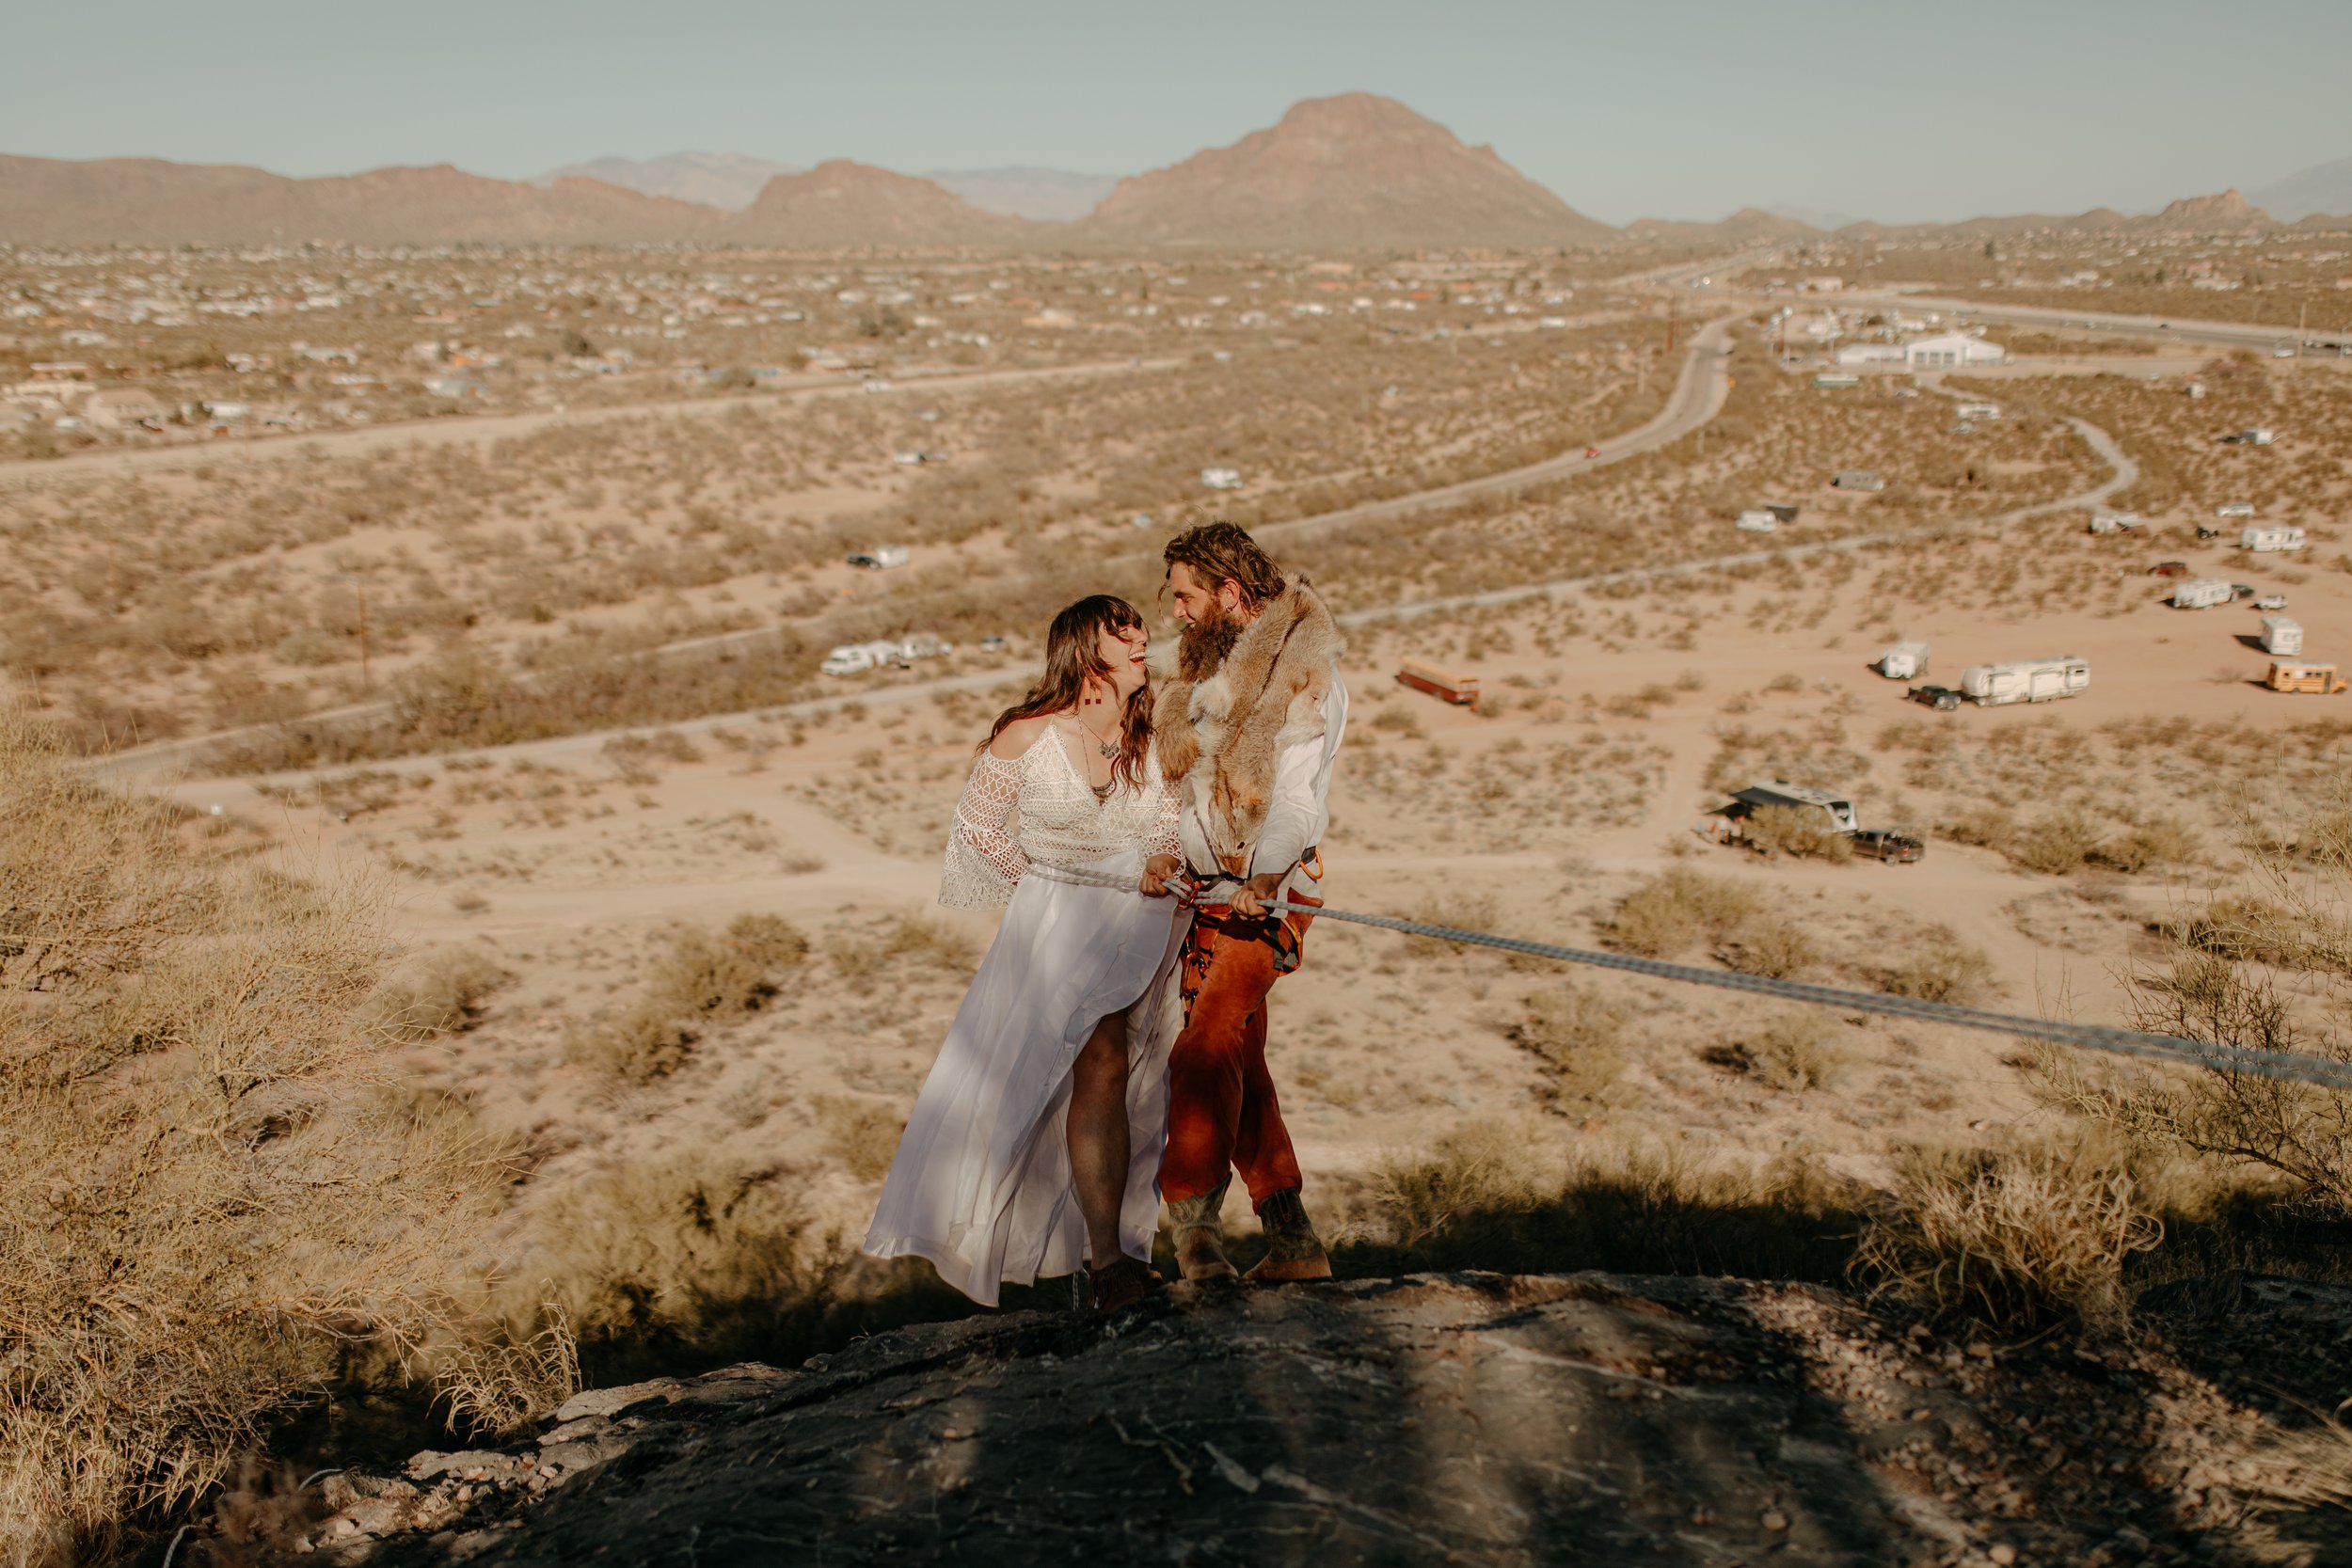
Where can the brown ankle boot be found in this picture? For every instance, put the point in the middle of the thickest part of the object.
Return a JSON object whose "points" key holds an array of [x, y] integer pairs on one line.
{"points": [[1294, 1251], [1197, 1235]]}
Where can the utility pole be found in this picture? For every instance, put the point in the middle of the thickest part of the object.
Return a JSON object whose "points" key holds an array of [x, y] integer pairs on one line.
{"points": [[1673, 303], [2301, 322]]}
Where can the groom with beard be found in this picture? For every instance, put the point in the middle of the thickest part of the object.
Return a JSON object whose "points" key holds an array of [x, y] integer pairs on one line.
{"points": [[1247, 733]]}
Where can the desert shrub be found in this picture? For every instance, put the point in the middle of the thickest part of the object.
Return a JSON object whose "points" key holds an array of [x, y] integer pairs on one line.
{"points": [[1776, 950], [1578, 1034], [1938, 967], [2157, 842], [2055, 844], [693, 1255], [439, 992], [1796, 1051], [906, 938], [637, 1046], [1487, 1196], [2014, 1241], [1797, 831], [2241, 930], [1464, 911], [184, 1070], [1986, 827], [861, 1134], [1676, 908], [733, 971]]}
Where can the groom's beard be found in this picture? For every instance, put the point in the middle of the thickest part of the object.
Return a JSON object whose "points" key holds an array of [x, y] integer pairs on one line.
{"points": [[1202, 645]]}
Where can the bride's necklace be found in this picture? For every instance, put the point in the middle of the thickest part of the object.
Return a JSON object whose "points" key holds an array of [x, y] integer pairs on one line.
{"points": [[1110, 750]]}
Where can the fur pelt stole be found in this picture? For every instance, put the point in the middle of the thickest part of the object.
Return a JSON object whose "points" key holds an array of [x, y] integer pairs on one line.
{"points": [[1218, 738]]}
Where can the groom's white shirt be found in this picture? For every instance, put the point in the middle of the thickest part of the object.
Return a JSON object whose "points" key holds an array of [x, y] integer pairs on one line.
{"points": [[1300, 812]]}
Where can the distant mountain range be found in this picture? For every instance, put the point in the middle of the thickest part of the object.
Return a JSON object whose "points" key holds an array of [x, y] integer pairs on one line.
{"points": [[1350, 172], [728, 180], [2322, 188]]}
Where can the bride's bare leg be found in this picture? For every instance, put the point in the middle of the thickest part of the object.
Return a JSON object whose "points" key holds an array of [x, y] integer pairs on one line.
{"points": [[1098, 1135]]}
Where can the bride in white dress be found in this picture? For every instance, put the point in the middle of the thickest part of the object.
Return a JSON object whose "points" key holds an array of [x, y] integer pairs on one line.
{"points": [[1035, 1145]]}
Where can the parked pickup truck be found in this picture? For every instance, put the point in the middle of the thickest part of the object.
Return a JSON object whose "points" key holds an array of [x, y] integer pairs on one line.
{"points": [[1883, 845], [1942, 698]]}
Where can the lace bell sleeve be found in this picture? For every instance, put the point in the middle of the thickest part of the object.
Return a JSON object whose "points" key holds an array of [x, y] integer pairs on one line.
{"points": [[1167, 835], [984, 860]]}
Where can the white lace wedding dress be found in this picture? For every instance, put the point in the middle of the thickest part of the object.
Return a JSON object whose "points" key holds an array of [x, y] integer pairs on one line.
{"points": [[981, 1185]]}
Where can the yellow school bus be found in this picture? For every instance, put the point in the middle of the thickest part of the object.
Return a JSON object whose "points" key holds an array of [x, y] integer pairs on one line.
{"points": [[2295, 676]]}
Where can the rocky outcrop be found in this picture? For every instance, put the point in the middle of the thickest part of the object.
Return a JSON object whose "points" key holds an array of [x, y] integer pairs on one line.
{"points": [[1355, 172], [1473, 1419], [844, 204]]}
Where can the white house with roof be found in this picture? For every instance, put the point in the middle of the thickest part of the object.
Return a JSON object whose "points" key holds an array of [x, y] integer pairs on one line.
{"points": [[1950, 350]]}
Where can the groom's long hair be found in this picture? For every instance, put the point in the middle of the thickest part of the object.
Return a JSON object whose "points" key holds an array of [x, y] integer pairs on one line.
{"points": [[1073, 656]]}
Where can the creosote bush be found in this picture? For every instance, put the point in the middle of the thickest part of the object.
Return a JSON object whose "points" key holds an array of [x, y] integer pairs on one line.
{"points": [[209, 1187], [1578, 1033], [1936, 966], [917, 940], [1676, 908], [703, 975], [1464, 911], [1804, 832], [861, 1134]]}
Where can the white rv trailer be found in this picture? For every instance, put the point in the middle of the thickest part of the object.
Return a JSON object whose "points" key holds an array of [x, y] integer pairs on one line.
{"points": [[1221, 479], [1904, 661], [2281, 635], [2114, 522], [2201, 594], [1757, 520], [2029, 680], [1780, 792], [2273, 537]]}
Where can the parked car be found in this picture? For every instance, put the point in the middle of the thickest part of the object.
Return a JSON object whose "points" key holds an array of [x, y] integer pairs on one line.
{"points": [[2242, 590], [1941, 698], [2235, 508], [2168, 569], [2271, 601], [1886, 845]]}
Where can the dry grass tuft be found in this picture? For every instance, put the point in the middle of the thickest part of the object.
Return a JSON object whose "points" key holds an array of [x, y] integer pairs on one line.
{"points": [[907, 938], [437, 994], [702, 975], [862, 1135], [1797, 1050], [1938, 967], [1463, 911], [2016, 1240], [1804, 834]]}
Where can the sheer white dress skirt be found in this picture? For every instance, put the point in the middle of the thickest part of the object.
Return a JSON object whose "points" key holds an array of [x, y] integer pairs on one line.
{"points": [[981, 1185]]}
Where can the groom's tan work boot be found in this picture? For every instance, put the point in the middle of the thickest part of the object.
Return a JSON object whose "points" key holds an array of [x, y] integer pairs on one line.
{"points": [[1198, 1236], [1293, 1251]]}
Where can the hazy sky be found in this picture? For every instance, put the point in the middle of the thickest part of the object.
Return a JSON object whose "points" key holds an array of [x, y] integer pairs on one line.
{"points": [[1893, 110]]}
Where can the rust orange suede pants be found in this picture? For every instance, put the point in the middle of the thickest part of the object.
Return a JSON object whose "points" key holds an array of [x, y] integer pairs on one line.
{"points": [[1222, 1112]]}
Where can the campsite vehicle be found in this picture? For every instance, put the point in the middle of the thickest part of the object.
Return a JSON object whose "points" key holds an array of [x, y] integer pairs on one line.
{"points": [[1887, 847], [1592, 451], [2271, 601], [924, 644], [2029, 680], [2168, 569], [1903, 661], [2235, 508], [2282, 636], [994, 644], [879, 557], [1856, 479], [2242, 590], [857, 659], [2275, 537], [2199, 594], [1980, 410], [1756, 521], [2114, 522], [1221, 479], [1941, 698], [2205, 532], [1797, 796], [1447, 686], [1833, 381], [2255, 438], [2292, 674]]}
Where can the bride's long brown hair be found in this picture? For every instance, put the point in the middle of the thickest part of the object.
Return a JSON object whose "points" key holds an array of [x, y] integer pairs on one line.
{"points": [[1072, 646]]}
